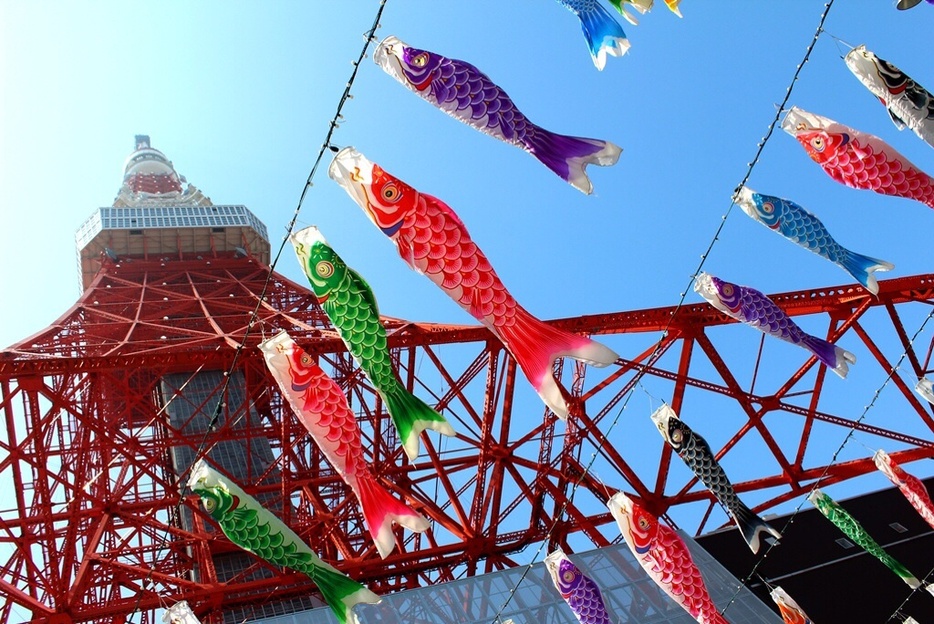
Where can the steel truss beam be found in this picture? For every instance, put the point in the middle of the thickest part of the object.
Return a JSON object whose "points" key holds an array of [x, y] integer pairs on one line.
{"points": [[97, 532]]}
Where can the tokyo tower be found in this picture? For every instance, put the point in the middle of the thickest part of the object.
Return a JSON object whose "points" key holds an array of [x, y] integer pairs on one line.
{"points": [[156, 365]]}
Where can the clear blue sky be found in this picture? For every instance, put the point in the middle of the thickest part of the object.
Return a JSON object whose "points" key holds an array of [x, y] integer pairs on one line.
{"points": [[239, 94]]}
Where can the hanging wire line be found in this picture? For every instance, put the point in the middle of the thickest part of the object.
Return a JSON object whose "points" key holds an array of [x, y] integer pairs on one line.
{"points": [[833, 460], [656, 352], [564, 506], [369, 37], [925, 582], [839, 41]]}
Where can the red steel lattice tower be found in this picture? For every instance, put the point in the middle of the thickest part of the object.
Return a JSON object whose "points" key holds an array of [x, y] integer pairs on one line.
{"points": [[104, 411]]}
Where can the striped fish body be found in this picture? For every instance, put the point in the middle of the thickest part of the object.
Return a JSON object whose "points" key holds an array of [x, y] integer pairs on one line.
{"points": [[694, 450], [432, 240], [803, 228], [909, 485], [854, 530], [351, 306], [578, 590], [750, 306], [696, 453], [665, 558], [255, 529], [467, 94], [909, 104], [603, 33], [857, 159], [320, 405]]}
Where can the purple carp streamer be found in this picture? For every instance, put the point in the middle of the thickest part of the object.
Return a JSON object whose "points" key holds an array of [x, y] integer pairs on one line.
{"points": [[756, 310], [320, 405], [603, 34], [909, 104], [912, 487], [467, 94], [578, 590]]}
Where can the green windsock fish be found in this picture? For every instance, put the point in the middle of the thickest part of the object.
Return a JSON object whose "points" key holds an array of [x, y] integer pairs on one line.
{"points": [[255, 529], [855, 531], [351, 305]]}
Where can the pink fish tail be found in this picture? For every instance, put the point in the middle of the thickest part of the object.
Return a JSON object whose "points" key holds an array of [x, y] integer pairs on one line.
{"points": [[381, 510], [536, 346], [569, 156], [836, 358]]}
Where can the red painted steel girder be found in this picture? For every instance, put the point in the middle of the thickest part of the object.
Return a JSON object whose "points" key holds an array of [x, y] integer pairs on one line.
{"points": [[96, 532]]}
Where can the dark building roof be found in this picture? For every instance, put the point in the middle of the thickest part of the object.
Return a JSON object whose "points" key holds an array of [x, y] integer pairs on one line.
{"points": [[832, 579]]}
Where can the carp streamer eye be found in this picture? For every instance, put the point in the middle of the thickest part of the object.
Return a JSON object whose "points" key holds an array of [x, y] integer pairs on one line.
{"points": [[306, 360], [818, 143], [768, 208], [727, 290], [324, 269], [209, 504], [421, 60], [676, 436], [391, 194], [643, 523], [568, 576]]}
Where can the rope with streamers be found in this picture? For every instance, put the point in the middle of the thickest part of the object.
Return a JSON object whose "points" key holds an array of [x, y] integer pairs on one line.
{"points": [[656, 353]]}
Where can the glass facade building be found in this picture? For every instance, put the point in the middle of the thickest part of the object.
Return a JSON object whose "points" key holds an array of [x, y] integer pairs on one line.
{"points": [[530, 597]]}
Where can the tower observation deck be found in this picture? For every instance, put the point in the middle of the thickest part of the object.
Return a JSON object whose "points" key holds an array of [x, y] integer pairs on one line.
{"points": [[154, 218]]}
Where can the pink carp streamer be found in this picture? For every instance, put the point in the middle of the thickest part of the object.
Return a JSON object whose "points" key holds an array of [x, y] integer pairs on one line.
{"points": [[665, 557], [432, 239], [320, 405], [912, 487], [857, 159]]}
